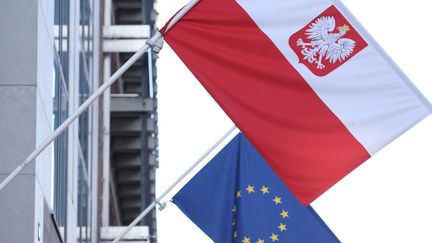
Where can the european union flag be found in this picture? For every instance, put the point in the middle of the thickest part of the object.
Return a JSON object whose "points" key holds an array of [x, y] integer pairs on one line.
{"points": [[236, 197]]}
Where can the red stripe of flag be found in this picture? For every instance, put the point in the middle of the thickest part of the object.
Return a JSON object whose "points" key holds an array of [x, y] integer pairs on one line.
{"points": [[298, 135]]}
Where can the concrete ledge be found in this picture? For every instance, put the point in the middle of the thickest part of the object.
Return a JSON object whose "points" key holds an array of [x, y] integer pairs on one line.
{"points": [[136, 234]]}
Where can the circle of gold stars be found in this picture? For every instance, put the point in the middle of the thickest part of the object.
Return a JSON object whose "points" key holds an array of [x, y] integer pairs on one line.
{"points": [[274, 236]]}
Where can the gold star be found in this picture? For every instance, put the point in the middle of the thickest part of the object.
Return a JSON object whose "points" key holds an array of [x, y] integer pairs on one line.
{"points": [[264, 190], [235, 234], [282, 227], [234, 222], [234, 209], [284, 214], [277, 200], [260, 241], [274, 237], [246, 240], [250, 189], [238, 194]]}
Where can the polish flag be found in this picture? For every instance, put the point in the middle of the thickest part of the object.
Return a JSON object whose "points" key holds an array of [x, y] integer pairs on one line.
{"points": [[313, 92]]}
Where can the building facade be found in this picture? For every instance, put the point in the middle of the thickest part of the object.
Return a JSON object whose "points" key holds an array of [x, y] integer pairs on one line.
{"points": [[99, 173]]}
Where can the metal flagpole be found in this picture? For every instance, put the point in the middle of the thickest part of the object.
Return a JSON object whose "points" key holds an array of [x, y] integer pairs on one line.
{"points": [[157, 202], [81, 109], [149, 43]]}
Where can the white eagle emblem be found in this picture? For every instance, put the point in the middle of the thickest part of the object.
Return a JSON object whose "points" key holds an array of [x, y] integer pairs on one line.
{"points": [[325, 44]]}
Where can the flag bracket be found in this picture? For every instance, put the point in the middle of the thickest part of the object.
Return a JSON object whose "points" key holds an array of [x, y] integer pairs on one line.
{"points": [[156, 44], [161, 205]]}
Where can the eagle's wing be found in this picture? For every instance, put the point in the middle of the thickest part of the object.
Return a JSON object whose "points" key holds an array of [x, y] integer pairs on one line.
{"points": [[340, 50], [319, 29]]}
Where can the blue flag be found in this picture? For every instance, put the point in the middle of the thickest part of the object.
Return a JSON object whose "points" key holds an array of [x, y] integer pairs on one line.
{"points": [[236, 197]]}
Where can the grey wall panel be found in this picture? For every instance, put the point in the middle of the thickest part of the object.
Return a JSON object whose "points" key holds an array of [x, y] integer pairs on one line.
{"points": [[17, 126], [18, 20], [25, 63], [16, 225]]}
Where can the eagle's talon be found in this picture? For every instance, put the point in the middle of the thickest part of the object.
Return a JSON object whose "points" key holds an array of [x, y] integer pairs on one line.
{"points": [[320, 65]]}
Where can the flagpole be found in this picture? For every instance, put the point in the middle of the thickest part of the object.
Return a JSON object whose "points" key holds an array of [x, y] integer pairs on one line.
{"points": [[180, 14], [149, 43], [81, 109], [169, 189]]}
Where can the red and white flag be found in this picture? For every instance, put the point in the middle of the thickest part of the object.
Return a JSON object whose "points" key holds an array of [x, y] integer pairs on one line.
{"points": [[303, 80]]}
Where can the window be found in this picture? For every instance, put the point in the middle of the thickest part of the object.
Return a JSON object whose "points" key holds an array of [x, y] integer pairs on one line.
{"points": [[60, 114], [84, 127]]}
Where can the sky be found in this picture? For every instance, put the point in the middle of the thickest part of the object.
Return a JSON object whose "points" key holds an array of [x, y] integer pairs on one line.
{"points": [[386, 199]]}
